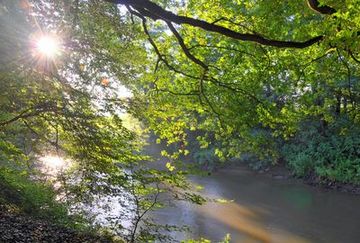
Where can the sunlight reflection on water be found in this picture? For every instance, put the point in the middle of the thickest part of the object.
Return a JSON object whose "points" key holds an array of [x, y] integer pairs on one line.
{"points": [[53, 165]]}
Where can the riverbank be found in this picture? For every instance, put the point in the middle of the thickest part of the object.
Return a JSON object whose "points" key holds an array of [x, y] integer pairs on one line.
{"points": [[280, 172], [19, 228]]}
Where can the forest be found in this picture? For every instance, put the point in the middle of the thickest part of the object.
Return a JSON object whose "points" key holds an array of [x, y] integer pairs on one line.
{"points": [[89, 87]]}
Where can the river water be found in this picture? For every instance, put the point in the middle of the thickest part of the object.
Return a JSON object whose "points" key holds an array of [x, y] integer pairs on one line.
{"points": [[263, 209]]}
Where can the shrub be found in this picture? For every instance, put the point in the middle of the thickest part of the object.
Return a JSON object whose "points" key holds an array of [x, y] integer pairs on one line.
{"points": [[19, 192], [333, 155]]}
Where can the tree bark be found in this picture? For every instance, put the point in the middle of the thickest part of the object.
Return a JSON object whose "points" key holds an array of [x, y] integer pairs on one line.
{"points": [[154, 11], [323, 9]]}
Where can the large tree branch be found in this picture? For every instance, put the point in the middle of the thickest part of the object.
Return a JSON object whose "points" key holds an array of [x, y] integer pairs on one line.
{"points": [[323, 9], [141, 13], [185, 49], [161, 57], [154, 11]]}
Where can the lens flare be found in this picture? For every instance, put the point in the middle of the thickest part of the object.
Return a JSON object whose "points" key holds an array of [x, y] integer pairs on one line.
{"points": [[48, 46]]}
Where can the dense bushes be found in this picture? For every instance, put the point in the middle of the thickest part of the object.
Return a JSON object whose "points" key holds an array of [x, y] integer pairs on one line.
{"points": [[332, 155]]}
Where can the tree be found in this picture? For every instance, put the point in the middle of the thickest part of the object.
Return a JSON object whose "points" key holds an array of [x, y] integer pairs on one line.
{"points": [[68, 105], [259, 78], [249, 73]]}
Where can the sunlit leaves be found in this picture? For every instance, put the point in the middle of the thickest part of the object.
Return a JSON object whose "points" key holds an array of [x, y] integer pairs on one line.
{"points": [[170, 167], [257, 95]]}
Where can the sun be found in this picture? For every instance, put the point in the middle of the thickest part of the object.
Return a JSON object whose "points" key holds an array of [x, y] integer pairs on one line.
{"points": [[48, 46]]}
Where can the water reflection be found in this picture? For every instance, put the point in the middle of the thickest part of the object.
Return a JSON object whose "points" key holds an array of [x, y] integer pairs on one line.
{"points": [[267, 210], [249, 222], [114, 212], [260, 210]]}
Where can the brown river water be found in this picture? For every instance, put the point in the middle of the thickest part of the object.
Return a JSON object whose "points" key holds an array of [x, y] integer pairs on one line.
{"points": [[263, 209]]}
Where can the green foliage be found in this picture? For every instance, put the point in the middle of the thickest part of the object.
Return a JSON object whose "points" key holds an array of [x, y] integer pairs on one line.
{"points": [[20, 193], [70, 105], [331, 156], [205, 158], [256, 100], [243, 98]]}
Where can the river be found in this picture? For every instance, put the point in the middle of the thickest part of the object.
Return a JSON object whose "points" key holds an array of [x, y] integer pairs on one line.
{"points": [[260, 208], [263, 209]]}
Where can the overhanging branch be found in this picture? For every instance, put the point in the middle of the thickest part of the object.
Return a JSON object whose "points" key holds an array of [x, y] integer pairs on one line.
{"points": [[155, 12], [323, 9]]}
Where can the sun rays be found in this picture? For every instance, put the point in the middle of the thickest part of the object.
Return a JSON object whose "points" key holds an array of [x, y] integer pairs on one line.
{"points": [[48, 46]]}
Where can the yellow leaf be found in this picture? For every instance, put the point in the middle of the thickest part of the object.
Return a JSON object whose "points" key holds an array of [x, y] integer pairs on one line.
{"points": [[169, 166]]}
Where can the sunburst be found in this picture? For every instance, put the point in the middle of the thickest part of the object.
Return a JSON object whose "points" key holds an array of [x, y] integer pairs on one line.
{"points": [[48, 46]]}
